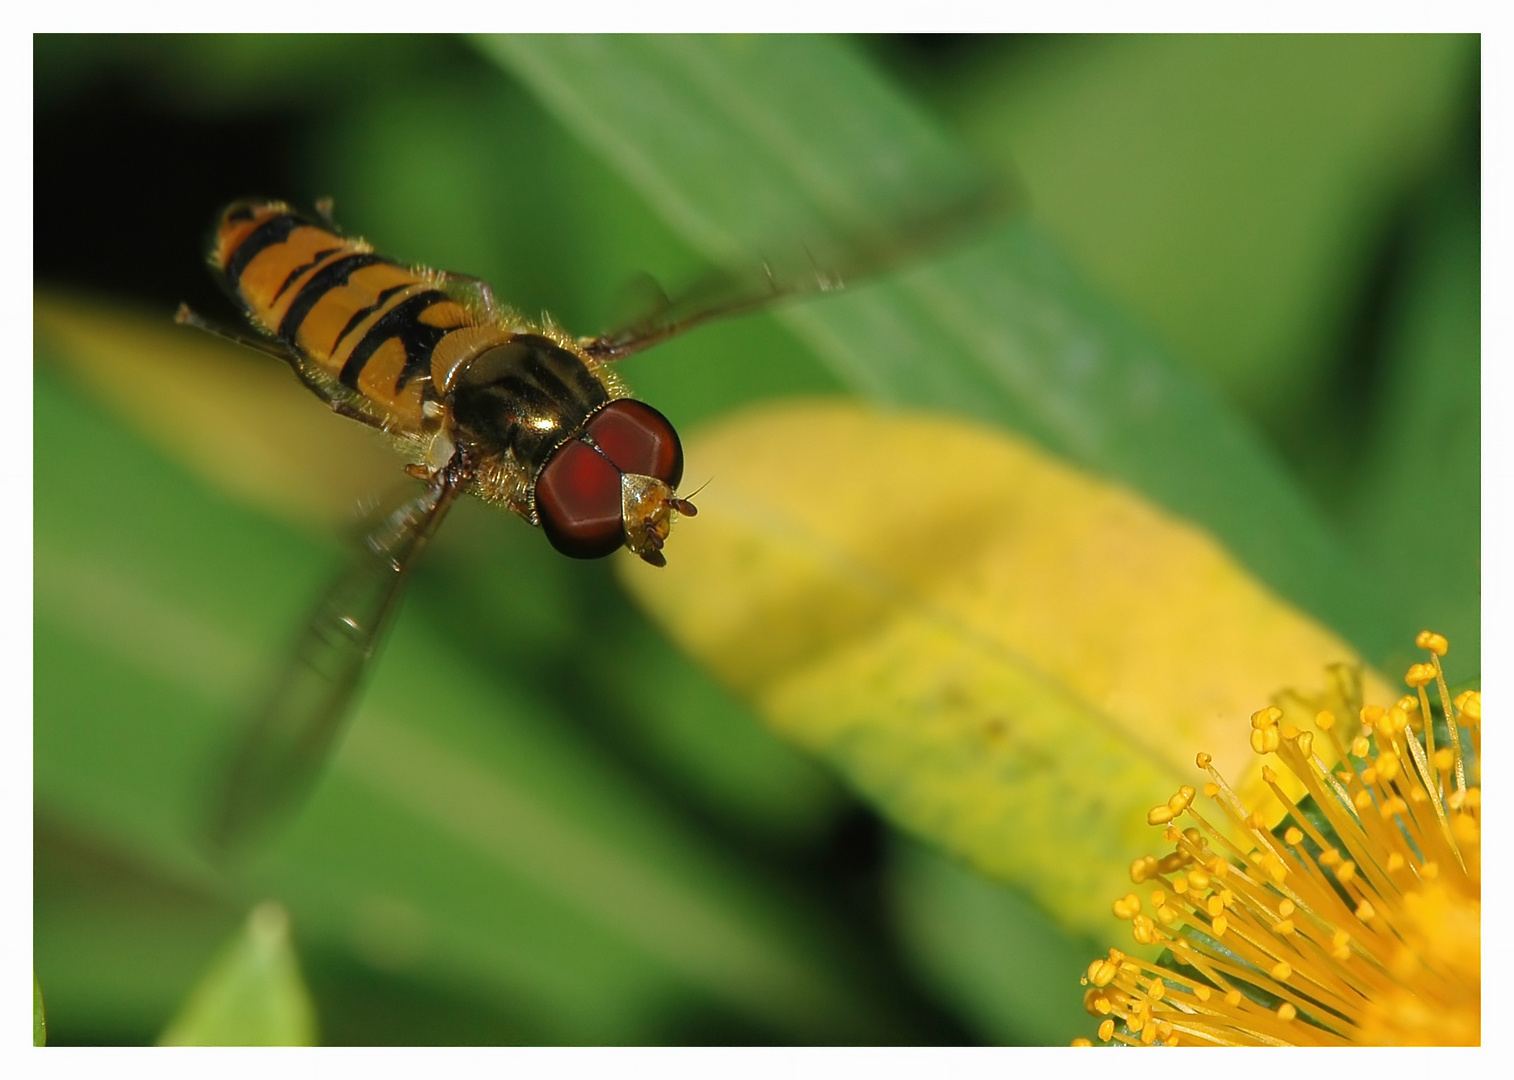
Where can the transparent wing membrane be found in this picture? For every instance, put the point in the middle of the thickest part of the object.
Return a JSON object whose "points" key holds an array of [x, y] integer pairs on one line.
{"points": [[830, 260], [288, 741]]}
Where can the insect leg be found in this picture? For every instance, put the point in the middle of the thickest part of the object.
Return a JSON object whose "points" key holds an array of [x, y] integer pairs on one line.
{"points": [[186, 316], [324, 206], [342, 401], [471, 292]]}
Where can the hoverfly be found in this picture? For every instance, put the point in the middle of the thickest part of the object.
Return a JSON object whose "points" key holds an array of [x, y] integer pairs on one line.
{"points": [[482, 401]]}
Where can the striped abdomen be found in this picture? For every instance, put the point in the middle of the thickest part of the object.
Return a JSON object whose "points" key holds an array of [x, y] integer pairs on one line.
{"points": [[381, 329]]}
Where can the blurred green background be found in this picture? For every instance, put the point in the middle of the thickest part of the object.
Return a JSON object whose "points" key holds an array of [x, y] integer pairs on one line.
{"points": [[545, 824]]}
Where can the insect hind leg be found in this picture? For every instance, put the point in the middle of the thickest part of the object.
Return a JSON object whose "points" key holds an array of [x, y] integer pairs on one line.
{"points": [[341, 402], [187, 316]]}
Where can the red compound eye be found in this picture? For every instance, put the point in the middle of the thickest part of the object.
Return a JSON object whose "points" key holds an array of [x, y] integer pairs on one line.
{"points": [[578, 502], [639, 439]]}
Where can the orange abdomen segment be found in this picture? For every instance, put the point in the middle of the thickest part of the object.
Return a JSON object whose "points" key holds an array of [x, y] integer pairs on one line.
{"points": [[379, 328]]}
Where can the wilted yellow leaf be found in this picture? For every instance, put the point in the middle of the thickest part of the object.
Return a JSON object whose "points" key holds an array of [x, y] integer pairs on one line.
{"points": [[1007, 656]]}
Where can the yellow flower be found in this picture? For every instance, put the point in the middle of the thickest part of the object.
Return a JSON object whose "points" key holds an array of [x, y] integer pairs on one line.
{"points": [[1357, 922]]}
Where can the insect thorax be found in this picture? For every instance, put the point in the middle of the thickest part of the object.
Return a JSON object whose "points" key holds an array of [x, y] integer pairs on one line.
{"points": [[515, 404]]}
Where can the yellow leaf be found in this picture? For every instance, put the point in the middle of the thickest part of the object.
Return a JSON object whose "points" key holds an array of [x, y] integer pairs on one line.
{"points": [[240, 419], [1007, 656]]}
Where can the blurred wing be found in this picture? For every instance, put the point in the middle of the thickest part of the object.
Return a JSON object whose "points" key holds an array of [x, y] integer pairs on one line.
{"points": [[823, 265], [289, 740]]}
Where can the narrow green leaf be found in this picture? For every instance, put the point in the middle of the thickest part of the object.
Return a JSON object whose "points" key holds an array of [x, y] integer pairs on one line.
{"points": [[989, 950], [252, 995], [738, 141], [1232, 190], [1417, 514], [39, 1019]]}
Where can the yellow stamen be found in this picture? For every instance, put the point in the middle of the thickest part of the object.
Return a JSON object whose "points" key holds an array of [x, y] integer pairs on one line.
{"points": [[1373, 940]]}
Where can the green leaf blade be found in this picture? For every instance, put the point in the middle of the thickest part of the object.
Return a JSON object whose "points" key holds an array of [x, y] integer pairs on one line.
{"points": [[253, 995], [1003, 330]]}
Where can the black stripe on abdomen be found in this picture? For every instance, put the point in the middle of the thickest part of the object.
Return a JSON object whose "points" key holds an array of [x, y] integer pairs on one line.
{"points": [[273, 231], [331, 276], [294, 275], [362, 313], [401, 321]]}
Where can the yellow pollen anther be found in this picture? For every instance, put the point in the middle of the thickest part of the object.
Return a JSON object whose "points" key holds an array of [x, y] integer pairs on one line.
{"points": [[1325, 720], [1283, 928], [1420, 674], [1432, 642], [1201, 992], [1365, 911], [1127, 906], [1360, 747], [1293, 836], [1286, 907], [1395, 862], [1469, 704], [1345, 872], [1305, 742], [1387, 766], [1158, 898], [1444, 759], [1265, 740], [1269, 775], [1203, 760], [1211, 789], [1286, 1012], [1282, 971], [1106, 1031], [1464, 828], [1233, 998], [1159, 815], [1371, 714], [1220, 925], [1158, 988], [1363, 799], [1080, 1042]]}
